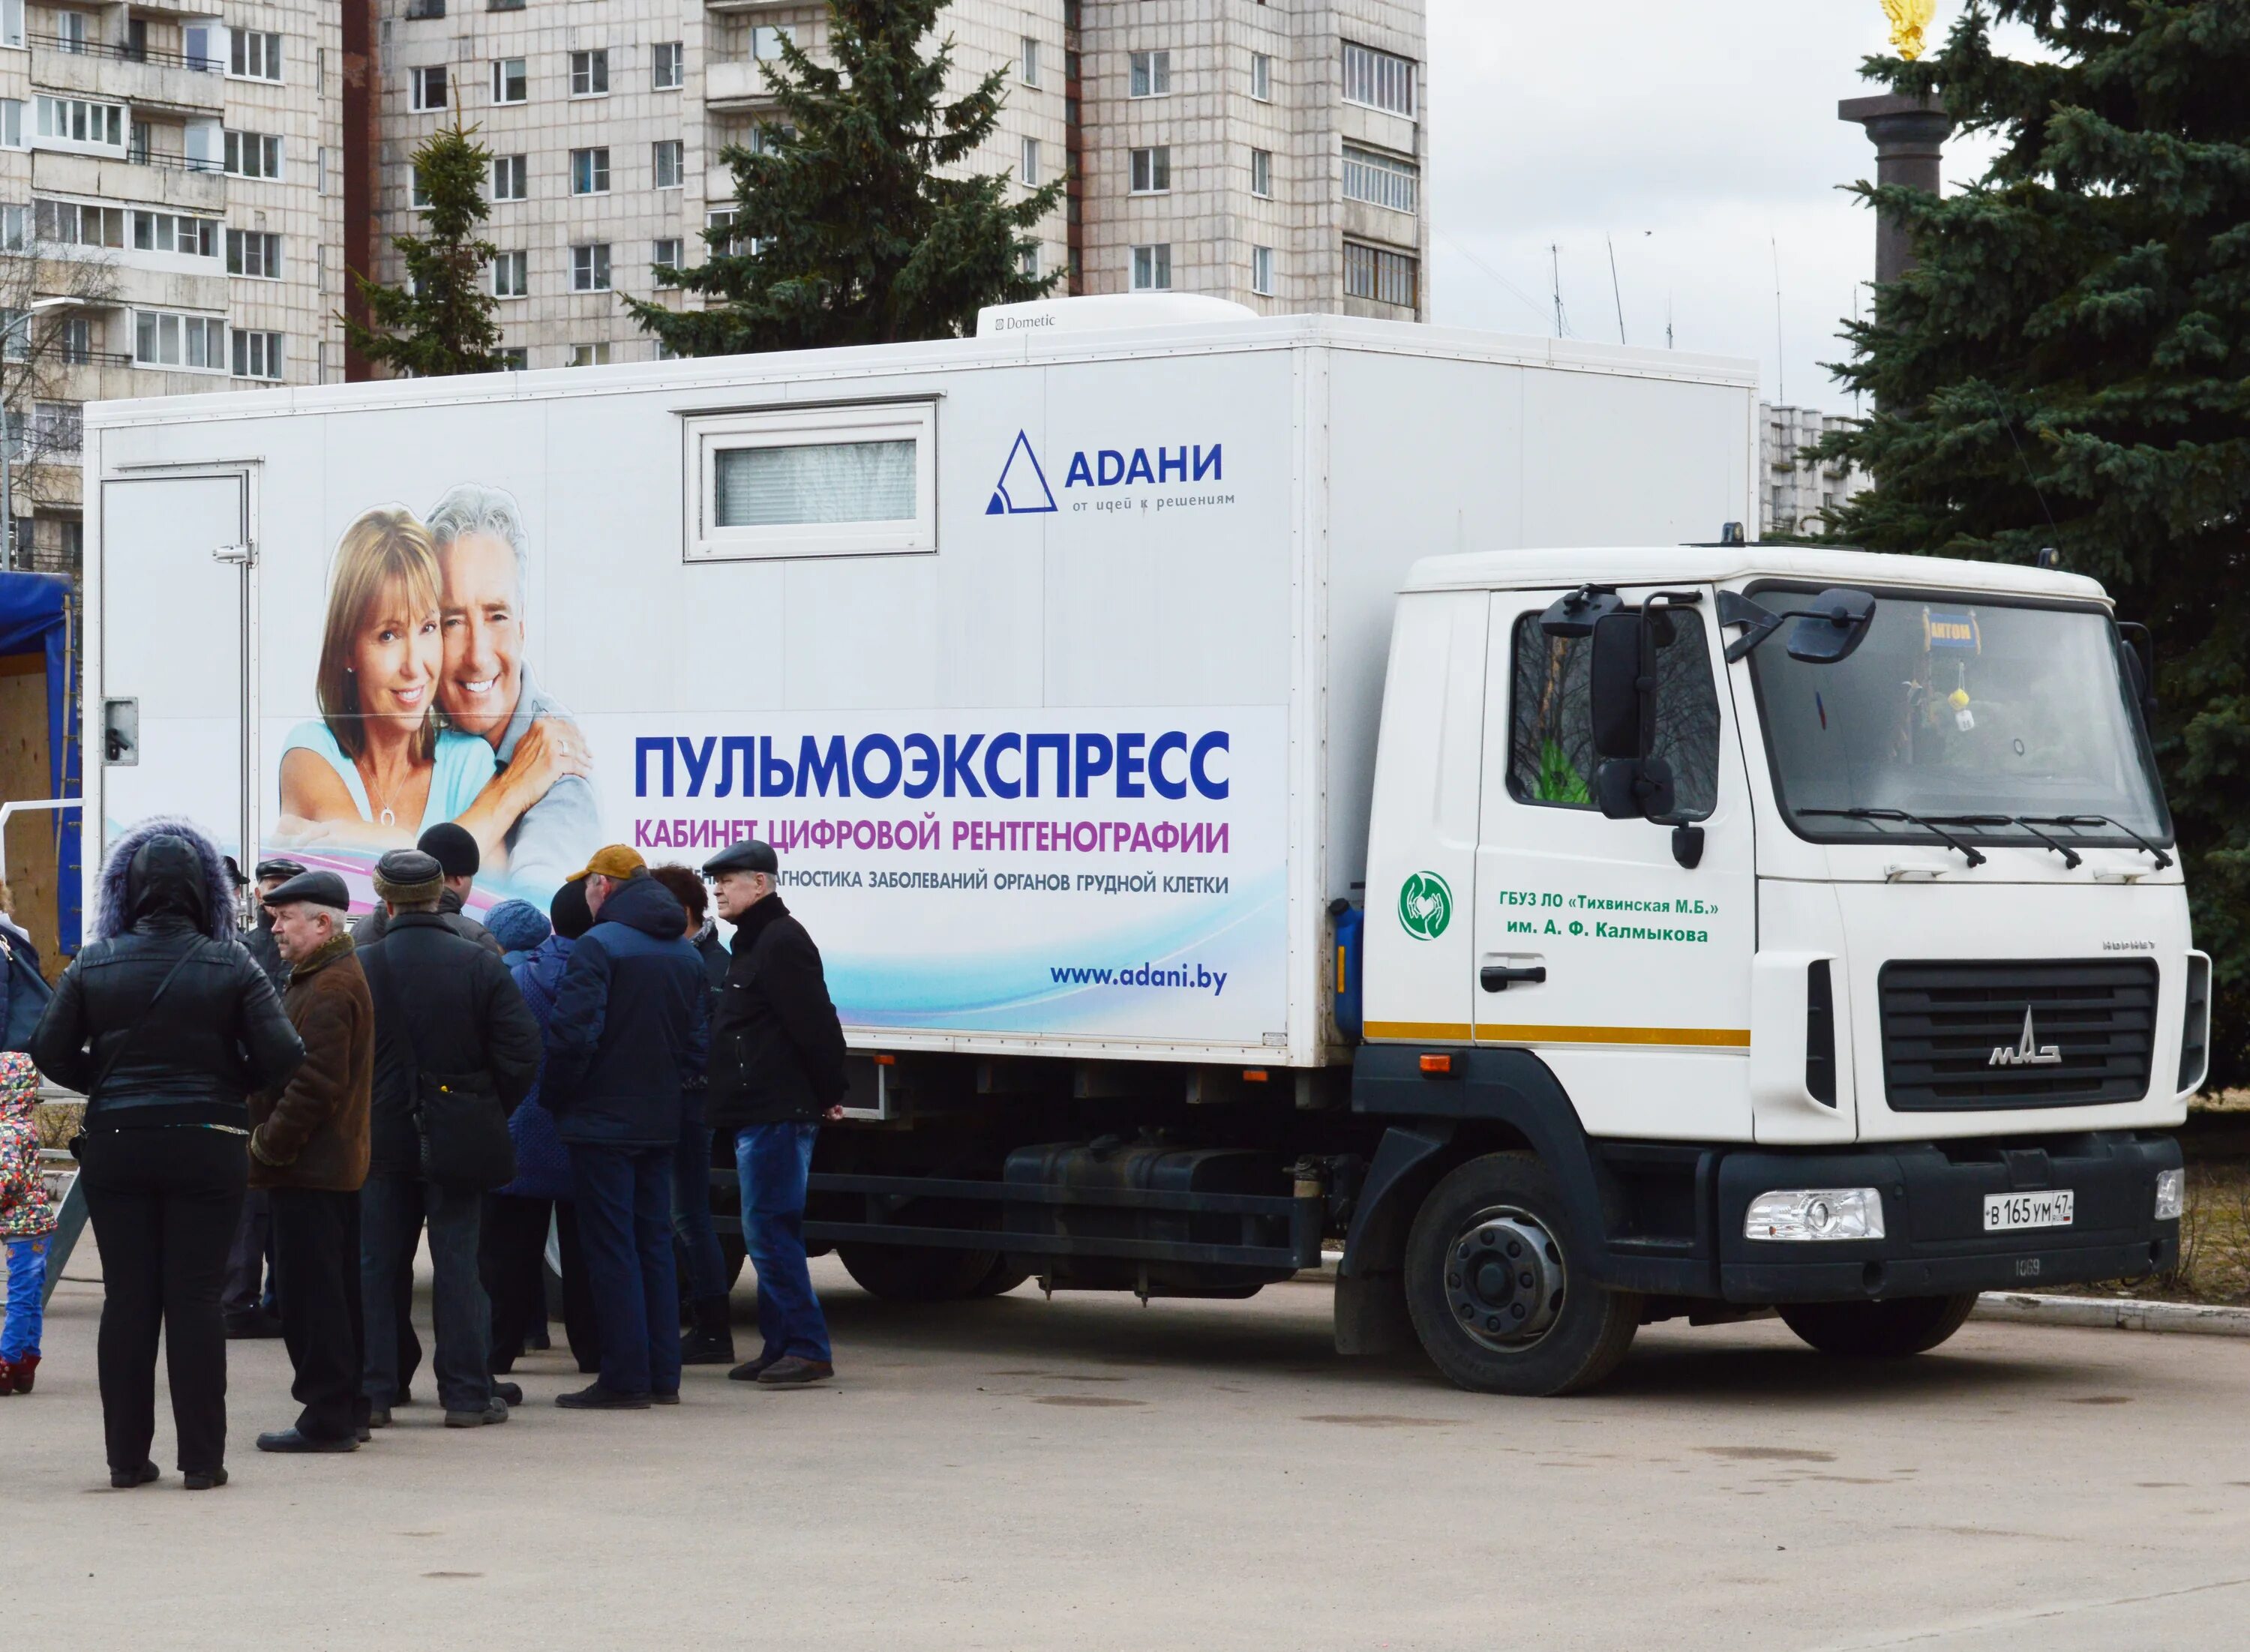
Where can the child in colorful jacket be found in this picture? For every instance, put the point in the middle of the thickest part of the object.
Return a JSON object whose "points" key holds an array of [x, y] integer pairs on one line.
{"points": [[27, 1223]]}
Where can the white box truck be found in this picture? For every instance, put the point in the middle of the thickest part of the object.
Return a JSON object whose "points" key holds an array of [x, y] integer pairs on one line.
{"points": [[1247, 801]]}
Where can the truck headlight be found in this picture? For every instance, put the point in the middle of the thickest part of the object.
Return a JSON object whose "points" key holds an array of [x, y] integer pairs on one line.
{"points": [[1818, 1213], [2172, 1195]]}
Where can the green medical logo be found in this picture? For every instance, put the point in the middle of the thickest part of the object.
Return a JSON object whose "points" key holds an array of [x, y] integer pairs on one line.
{"points": [[1425, 905]]}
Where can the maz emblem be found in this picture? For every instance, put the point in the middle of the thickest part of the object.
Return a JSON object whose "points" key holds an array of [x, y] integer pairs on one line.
{"points": [[2028, 1052]]}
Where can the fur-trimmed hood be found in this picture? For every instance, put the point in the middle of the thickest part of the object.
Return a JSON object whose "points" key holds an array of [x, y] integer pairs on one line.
{"points": [[113, 913]]}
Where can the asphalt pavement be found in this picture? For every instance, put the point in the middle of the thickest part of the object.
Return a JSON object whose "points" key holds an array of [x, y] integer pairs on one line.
{"points": [[1086, 1472]]}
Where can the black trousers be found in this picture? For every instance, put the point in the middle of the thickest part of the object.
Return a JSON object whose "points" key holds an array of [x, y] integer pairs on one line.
{"points": [[512, 1259], [316, 1262], [249, 1285], [164, 1203]]}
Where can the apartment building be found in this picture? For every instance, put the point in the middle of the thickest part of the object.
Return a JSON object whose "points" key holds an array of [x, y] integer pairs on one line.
{"points": [[1799, 494], [168, 218], [1271, 154]]}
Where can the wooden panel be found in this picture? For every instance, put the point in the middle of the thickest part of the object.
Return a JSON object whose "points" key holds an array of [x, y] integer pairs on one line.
{"points": [[30, 863]]}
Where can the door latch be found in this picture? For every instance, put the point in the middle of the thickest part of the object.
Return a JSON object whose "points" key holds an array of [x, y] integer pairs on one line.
{"points": [[1497, 978], [238, 553]]}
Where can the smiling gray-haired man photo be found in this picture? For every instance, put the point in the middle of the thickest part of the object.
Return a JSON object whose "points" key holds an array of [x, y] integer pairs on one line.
{"points": [[486, 688]]}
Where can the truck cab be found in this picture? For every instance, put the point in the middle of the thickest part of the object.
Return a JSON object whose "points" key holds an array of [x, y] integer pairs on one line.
{"points": [[1752, 928]]}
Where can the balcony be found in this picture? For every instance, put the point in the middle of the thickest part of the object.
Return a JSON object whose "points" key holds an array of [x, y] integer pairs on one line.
{"points": [[161, 180], [735, 88], [147, 79], [739, 6]]}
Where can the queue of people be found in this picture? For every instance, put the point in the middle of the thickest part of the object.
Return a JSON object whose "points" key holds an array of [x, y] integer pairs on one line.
{"points": [[422, 1073]]}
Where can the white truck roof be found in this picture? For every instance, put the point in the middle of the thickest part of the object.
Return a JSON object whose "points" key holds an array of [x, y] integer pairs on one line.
{"points": [[1719, 564]]}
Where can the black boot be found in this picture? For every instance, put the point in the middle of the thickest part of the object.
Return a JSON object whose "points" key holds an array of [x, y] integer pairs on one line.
{"points": [[712, 1341]]}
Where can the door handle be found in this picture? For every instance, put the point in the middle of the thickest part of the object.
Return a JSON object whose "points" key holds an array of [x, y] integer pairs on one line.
{"points": [[1497, 978]]}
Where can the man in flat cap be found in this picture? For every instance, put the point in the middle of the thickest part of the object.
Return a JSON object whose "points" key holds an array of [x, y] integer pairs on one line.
{"points": [[308, 1148], [776, 1071], [249, 1299], [627, 1034], [450, 845], [447, 1011]]}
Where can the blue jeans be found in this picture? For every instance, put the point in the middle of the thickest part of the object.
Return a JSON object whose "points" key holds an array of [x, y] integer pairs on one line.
{"points": [[27, 1277], [773, 1161], [691, 1211], [624, 1232], [392, 1210]]}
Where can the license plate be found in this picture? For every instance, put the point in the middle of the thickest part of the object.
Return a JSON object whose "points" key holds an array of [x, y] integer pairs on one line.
{"points": [[2007, 1210]]}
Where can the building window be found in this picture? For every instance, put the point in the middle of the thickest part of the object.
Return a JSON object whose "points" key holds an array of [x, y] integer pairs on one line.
{"points": [[511, 177], [766, 40], [666, 160], [1378, 80], [58, 427], [1261, 174], [1152, 74], [257, 355], [1031, 62], [1377, 273], [15, 228], [1261, 270], [254, 56], [1027, 262], [731, 244], [666, 252], [1152, 269], [590, 355], [11, 24], [1261, 77], [589, 171], [170, 232], [418, 193], [75, 336], [11, 123], [1152, 170], [510, 83], [1379, 180], [161, 338], [252, 154], [511, 273], [253, 253], [590, 74], [1030, 171], [72, 224], [77, 121], [814, 482], [589, 268], [515, 358], [425, 10], [667, 66], [428, 87]]}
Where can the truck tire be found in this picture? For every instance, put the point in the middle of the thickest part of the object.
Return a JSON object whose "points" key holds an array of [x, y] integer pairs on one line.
{"points": [[1497, 1284], [1878, 1330], [1004, 1277], [910, 1273]]}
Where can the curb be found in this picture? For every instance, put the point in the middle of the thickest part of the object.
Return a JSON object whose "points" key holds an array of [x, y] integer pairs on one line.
{"points": [[2121, 1313]]}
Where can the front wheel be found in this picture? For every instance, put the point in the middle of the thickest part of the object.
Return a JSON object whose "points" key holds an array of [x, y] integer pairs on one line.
{"points": [[1497, 1284], [1891, 1330], [910, 1273]]}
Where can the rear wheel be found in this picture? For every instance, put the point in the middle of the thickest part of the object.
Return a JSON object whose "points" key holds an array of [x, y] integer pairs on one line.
{"points": [[1497, 1284], [1878, 1330], [1002, 1277], [909, 1273]]}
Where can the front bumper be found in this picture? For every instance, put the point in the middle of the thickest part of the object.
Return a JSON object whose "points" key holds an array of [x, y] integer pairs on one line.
{"points": [[1934, 1194]]}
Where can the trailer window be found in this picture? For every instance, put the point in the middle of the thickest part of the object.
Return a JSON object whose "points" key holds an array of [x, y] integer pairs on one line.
{"points": [[814, 482], [1550, 758]]}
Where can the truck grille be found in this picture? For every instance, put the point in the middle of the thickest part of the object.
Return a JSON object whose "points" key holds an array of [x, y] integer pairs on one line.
{"points": [[1954, 1034]]}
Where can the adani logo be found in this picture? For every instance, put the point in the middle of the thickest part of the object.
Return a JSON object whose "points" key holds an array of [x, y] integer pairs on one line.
{"points": [[1022, 489]]}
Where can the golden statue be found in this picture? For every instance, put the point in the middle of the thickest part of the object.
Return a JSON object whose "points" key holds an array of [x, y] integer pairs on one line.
{"points": [[1908, 19]]}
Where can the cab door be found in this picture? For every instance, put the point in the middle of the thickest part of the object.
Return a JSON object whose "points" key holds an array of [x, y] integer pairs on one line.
{"points": [[1626, 970]]}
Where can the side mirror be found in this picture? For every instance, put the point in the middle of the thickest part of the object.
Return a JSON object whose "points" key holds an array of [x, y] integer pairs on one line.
{"points": [[1634, 789], [1831, 626], [1622, 686], [2137, 654]]}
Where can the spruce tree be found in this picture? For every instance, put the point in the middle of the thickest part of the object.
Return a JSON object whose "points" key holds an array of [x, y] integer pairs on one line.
{"points": [[440, 321], [848, 229], [2069, 365]]}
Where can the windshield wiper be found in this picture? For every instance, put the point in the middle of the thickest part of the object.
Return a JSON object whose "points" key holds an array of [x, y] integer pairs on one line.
{"points": [[2162, 859], [2070, 858], [1975, 858]]}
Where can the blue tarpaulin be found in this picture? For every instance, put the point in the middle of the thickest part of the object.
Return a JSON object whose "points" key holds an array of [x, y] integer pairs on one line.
{"points": [[35, 618]]}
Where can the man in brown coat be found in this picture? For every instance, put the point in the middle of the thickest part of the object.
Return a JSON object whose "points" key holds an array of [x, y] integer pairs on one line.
{"points": [[308, 1145]]}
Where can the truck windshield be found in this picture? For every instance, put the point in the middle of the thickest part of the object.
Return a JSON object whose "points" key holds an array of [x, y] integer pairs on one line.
{"points": [[1995, 721]]}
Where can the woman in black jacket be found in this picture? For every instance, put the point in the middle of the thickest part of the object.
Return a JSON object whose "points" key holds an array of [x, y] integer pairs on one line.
{"points": [[167, 1025]]}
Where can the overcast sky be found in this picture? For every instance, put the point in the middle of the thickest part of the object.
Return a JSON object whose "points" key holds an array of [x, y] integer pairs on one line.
{"points": [[1701, 138]]}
